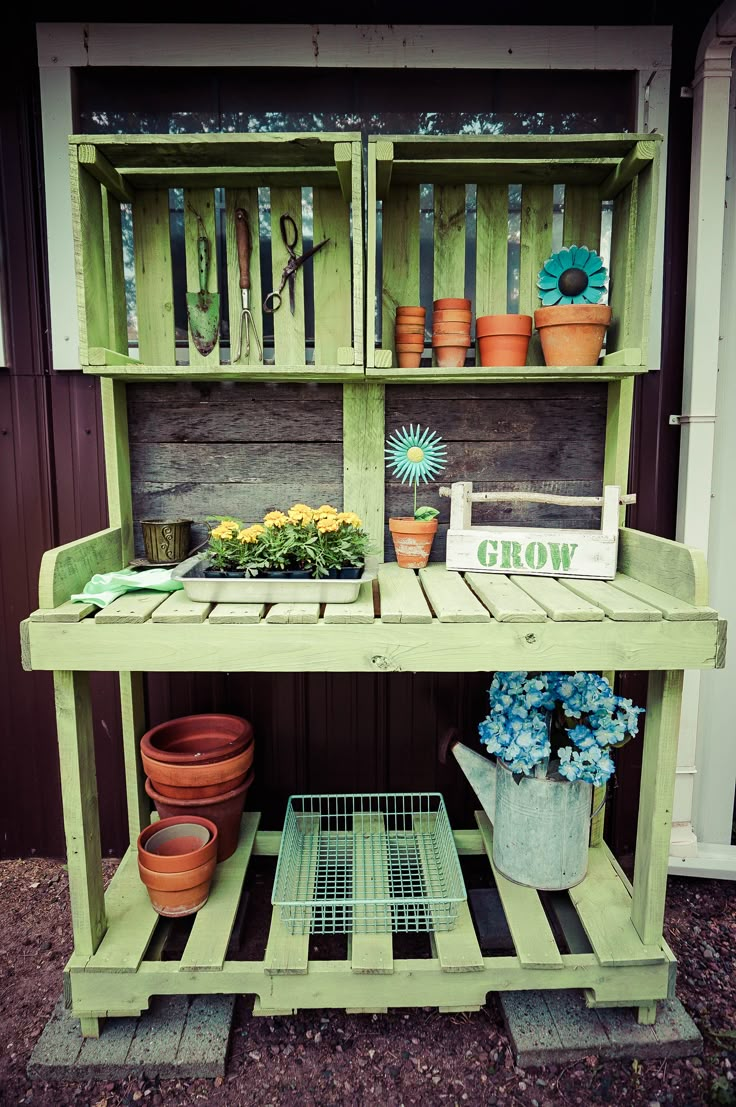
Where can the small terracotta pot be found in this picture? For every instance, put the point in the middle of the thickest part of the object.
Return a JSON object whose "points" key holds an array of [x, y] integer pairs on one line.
{"points": [[450, 350], [404, 312], [170, 845], [197, 738], [452, 317], [409, 328], [179, 893], [409, 359], [572, 334], [413, 540], [197, 781], [224, 811], [503, 339], [451, 303], [452, 328], [410, 345]]}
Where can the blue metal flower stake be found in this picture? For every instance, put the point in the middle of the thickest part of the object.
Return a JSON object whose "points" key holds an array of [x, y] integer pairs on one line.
{"points": [[416, 455], [573, 275]]}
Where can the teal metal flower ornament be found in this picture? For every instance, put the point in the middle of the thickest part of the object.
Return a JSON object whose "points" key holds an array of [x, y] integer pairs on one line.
{"points": [[573, 275], [415, 455]]}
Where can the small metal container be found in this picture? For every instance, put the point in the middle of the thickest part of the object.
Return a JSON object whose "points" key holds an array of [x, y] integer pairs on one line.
{"points": [[166, 541]]}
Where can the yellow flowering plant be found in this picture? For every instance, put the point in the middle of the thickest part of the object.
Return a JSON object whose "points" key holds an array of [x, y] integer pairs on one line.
{"points": [[319, 542]]}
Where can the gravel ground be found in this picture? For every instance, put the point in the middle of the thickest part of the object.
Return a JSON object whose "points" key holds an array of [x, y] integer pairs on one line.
{"points": [[416, 1058]]}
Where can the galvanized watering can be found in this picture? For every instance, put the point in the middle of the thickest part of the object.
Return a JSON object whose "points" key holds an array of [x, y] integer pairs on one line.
{"points": [[541, 828]]}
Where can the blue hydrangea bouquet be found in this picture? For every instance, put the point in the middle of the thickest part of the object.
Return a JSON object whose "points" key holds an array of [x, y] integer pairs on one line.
{"points": [[557, 725]]}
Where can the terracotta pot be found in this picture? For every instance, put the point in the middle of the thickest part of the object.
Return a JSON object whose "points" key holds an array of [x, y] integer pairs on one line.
{"points": [[451, 328], [409, 328], [413, 540], [199, 738], [403, 312], [503, 339], [179, 893], [410, 345], [572, 334], [451, 303], [197, 781], [174, 845], [409, 359], [452, 317], [224, 811]]}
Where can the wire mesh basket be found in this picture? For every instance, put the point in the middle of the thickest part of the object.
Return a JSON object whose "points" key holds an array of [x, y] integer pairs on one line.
{"points": [[368, 864]]}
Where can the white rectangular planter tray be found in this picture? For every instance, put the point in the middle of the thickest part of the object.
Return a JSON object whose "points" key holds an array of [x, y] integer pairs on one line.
{"points": [[263, 589]]}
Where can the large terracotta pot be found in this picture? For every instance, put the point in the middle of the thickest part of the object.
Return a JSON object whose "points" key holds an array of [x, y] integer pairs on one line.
{"points": [[413, 540], [200, 738], [176, 862], [503, 339], [572, 334], [198, 781], [224, 811]]}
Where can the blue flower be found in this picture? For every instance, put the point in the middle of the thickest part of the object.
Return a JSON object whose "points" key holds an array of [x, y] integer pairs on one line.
{"points": [[573, 275]]}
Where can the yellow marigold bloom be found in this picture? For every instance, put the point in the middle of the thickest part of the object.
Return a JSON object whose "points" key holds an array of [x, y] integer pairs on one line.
{"points": [[303, 508], [275, 519], [226, 529], [349, 519], [327, 524], [325, 509]]}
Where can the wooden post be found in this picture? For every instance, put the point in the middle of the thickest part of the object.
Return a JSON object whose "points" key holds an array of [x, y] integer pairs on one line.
{"points": [[664, 698], [81, 815]]}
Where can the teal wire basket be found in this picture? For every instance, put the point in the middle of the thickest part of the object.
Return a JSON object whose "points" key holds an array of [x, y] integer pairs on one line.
{"points": [[371, 863]]}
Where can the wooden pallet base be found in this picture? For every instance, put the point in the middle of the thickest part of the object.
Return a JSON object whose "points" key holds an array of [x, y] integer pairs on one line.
{"points": [[123, 974]]}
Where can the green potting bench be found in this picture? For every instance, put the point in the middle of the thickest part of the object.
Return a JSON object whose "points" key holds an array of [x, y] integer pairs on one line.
{"points": [[653, 616]]}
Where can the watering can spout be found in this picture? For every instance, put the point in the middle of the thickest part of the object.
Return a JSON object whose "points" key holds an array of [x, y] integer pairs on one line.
{"points": [[478, 768]]}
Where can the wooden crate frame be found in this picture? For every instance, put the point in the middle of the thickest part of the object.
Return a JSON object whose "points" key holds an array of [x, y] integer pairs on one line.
{"points": [[110, 170], [618, 167]]}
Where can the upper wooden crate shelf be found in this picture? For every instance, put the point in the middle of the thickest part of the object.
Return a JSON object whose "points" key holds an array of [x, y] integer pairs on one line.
{"points": [[125, 221], [603, 188]]}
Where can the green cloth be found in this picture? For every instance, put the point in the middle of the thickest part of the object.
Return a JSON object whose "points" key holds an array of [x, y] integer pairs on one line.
{"points": [[105, 587]]}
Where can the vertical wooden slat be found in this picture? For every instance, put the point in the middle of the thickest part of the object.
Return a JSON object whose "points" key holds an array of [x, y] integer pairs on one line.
{"points": [[333, 297], [623, 263], [81, 814], [664, 700], [400, 258], [133, 719], [619, 413], [89, 252], [358, 342], [371, 251], [202, 200], [154, 283], [449, 240], [642, 275], [246, 198], [491, 247], [535, 248], [288, 329], [115, 274], [363, 430], [582, 219]]}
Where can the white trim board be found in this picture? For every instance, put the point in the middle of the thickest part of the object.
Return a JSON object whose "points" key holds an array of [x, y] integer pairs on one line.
{"points": [[717, 862], [367, 46]]}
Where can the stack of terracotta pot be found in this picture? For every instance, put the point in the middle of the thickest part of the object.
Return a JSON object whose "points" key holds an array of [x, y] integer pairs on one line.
{"points": [[409, 335], [176, 861], [451, 331], [202, 766]]}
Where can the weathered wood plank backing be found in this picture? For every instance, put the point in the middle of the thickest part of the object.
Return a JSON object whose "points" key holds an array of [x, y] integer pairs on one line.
{"points": [[506, 437], [238, 449]]}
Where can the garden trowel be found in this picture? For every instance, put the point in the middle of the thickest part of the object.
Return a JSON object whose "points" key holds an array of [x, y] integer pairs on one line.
{"points": [[203, 307]]}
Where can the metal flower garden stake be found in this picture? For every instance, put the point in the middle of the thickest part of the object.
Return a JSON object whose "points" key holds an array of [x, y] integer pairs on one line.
{"points": [[413, 456]]}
